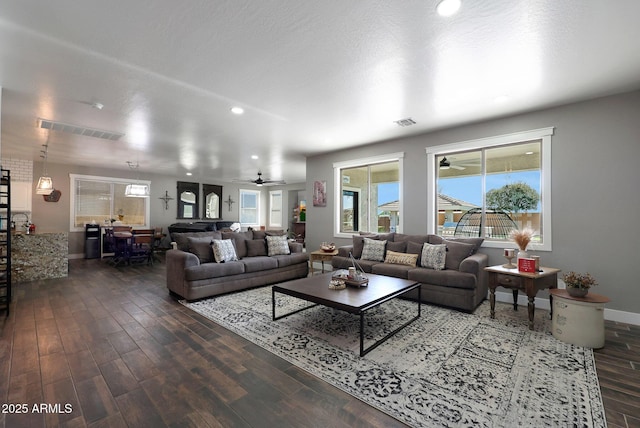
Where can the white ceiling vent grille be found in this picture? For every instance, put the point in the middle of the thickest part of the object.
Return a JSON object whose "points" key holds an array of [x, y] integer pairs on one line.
{"points": [[405, 122], [79, 130]]}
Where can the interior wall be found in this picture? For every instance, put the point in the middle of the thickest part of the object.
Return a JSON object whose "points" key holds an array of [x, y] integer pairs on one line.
{"points": [[54, 216], [595, 174]]}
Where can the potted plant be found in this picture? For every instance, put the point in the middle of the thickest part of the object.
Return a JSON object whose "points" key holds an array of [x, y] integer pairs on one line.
{"points": [[578, 284], [522, 239]]}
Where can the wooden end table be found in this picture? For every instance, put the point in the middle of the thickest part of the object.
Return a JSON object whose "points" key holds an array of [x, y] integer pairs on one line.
{"points": [[516, 280], [321, 256]]}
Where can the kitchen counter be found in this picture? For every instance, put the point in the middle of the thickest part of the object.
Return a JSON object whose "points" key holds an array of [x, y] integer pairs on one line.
{"points": [[39, 256]]}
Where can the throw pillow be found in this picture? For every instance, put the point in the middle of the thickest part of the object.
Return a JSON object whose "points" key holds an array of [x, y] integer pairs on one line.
{"points": [[398, 247], [415, 248], [223, 250], [401, 258], [456, 253], [256, 247], [201, 247], [373, 250], [277, 245], [433, 256]]}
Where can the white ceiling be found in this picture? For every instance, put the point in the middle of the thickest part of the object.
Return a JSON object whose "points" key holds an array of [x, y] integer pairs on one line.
{"points": [[311, 76]]}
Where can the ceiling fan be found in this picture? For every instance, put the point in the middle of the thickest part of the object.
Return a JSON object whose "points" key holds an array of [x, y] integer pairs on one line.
{"points": [[261, 181], [446, 164]]}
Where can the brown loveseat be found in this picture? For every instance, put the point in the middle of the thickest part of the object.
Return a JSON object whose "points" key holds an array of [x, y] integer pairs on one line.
{"points": [[462, 284], [192, 272]]}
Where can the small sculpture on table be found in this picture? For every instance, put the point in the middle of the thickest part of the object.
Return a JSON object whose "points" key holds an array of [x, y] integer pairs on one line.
{"points": [[354, 276]]}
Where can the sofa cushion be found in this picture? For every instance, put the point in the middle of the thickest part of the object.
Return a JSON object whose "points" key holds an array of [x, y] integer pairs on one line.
{"points": [[444, 278], [260, 263], [415, 248], [393, 257], [401, 237], [291, 259], [181, 239], [239, 239], [256, 247], [223, 250], [433, 256], [277, 245], [456, 253], [261, 234], [201, 247], [398, 247], [373, 250], [213, 270]]}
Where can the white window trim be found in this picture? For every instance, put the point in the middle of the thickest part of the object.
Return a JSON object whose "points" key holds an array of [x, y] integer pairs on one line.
{"points": [[272, 208], [337, 181], [72, 199], [543, 134], [258, 197]]}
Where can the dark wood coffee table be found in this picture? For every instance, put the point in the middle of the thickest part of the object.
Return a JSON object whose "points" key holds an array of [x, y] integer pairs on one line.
{"points": [[354, 300]]}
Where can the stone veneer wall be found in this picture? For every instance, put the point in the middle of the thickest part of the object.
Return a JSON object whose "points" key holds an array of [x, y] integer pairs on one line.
{"points": [[39, 256]]}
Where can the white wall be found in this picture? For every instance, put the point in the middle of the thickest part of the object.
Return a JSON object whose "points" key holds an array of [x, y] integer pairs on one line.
{"points": [[595, 200]]}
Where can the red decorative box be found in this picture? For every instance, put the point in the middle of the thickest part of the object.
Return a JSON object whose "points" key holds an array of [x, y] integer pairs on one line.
{"points": [[527, 265]]}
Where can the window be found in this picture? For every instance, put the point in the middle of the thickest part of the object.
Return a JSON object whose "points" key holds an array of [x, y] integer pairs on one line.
{"points": [[249, 207], [275, 208], [368, 195], [490, 186], [101, 199]]}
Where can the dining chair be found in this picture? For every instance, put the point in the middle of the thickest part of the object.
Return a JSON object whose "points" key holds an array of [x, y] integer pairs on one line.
{"points": [[141, 246]]}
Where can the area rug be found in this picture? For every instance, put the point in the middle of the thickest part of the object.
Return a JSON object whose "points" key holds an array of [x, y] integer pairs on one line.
{"points": [[446, 369]]}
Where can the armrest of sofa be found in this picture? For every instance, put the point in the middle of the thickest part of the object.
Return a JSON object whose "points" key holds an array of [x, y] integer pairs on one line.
{"points": [[296, 247], [345, 250], [177, 261], [475, 264]]}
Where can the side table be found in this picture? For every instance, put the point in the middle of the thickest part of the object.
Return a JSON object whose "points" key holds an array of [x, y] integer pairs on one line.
{"points": [[516, 280], [578, 320], [320, 256]]}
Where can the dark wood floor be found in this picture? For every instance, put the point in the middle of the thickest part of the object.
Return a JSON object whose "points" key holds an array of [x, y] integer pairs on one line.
{"points": [[108, 347]]}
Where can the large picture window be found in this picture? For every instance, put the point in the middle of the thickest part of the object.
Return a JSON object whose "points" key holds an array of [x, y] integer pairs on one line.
{"points": [[102, 199], [488, 187], [368, 195]]}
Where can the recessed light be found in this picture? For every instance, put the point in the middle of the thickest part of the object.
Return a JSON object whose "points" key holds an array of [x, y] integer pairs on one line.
{"points": [[254, 157], [189, 173], [448, 7], [237, 110], [501, 99]]}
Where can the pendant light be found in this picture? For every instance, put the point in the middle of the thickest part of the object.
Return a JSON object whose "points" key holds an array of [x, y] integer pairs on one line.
{"points": [[45, 183], [136, 190]]}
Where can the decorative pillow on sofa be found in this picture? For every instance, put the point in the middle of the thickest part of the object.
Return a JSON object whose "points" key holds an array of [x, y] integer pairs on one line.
{"points": [[373, 250], [223, 250], [401, 258], [256, 247], [398, 247], [277, 245], [201, 247], [456, 253], [433, 256]]}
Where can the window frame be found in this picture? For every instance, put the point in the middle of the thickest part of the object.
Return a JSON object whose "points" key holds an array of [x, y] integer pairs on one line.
{"points": [[542, 134], [275, 208], [362, 162], [258, 195], [73, 180]]}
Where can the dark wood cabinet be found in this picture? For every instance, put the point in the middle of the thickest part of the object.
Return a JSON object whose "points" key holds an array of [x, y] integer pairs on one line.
{"points": [[299, 230]]}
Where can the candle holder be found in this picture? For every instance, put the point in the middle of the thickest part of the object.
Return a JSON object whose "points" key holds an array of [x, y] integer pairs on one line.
{"points": [[509, 254]]}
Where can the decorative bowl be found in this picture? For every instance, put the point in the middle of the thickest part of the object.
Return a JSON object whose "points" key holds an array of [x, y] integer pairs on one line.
{"points": [[328, 248]]}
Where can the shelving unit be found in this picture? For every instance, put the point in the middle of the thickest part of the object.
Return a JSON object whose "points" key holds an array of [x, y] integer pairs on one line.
{"points": [[5, 240]]}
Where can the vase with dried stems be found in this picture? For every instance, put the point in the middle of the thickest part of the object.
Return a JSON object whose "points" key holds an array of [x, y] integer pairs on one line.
{"points": [[522, 238]]}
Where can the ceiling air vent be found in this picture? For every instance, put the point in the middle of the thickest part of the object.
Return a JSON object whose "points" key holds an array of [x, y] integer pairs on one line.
{"points": [[405, 122], [79, 130]]}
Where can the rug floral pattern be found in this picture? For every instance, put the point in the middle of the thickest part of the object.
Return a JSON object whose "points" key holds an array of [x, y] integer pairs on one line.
{"points": [[446, 369]]}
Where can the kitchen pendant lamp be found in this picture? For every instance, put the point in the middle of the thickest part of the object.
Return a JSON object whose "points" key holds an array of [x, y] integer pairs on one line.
{"points": [[45, 183], [136, 190]]}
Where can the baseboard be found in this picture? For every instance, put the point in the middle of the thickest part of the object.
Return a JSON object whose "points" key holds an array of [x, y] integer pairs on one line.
{"points": [[609, 314]]}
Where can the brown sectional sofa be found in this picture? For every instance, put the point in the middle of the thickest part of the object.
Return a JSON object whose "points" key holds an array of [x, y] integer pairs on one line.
{"points": [[192, 272], [462, 284]]}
